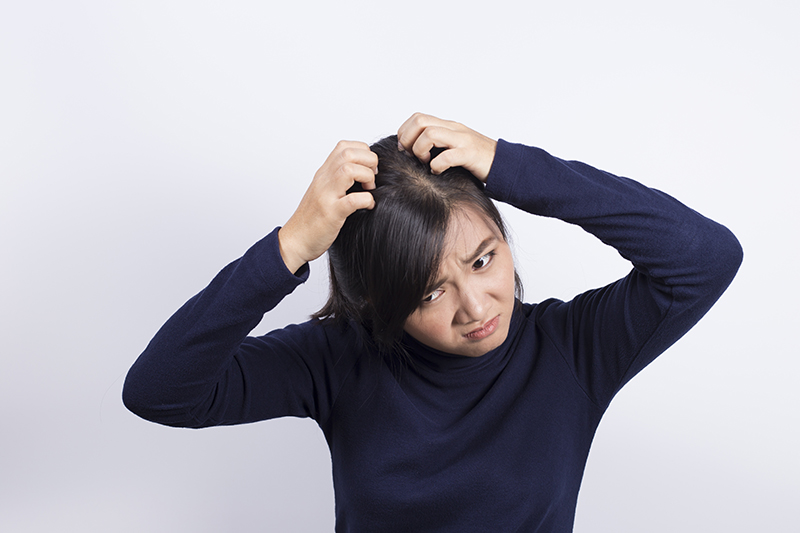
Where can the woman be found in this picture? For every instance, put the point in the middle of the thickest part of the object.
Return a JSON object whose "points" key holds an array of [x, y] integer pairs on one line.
{"points": [[446, 403]]}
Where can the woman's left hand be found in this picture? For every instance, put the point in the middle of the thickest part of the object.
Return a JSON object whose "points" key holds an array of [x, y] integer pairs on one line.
{"points": [[463, 147]]}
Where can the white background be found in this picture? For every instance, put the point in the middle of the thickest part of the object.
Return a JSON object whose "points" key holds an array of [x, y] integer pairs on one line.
{"points": [[144, 145]]}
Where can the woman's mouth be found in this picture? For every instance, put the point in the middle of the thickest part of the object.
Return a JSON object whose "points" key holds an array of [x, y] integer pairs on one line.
{"points": [[483, 331]]}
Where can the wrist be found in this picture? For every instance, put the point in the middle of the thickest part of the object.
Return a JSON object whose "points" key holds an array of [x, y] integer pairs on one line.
{"points": [[291, 258], [488, 160]]}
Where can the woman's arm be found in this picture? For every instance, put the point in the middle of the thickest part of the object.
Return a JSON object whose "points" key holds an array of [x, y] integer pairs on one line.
{"points": [[326, 204], [202, 369], [682, 263], [682, 260], [195, 369]]}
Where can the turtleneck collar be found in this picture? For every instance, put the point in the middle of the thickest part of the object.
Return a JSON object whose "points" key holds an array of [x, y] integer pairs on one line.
{"points": [[440, 361]]}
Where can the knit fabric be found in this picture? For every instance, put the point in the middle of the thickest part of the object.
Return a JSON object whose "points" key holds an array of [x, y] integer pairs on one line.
{"points": [[451, 443]]}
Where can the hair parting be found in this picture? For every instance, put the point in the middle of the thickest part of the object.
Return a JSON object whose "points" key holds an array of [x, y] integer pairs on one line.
{"points": [[385, 260]]}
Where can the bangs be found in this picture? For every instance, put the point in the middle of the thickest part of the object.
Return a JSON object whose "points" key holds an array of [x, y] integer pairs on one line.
{"points": [[385, 260], [395, 251]]}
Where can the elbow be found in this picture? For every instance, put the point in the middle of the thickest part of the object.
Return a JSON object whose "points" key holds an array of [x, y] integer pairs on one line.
{"points": [[151, 401], [141, 398], [718, 260], [729, 253], [133, 398]]}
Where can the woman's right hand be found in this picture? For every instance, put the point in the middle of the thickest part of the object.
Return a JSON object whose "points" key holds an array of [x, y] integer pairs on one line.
{"points": [[317, 220]]}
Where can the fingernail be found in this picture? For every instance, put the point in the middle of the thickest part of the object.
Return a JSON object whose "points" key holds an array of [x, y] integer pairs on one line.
{"points": [[400, 146]]}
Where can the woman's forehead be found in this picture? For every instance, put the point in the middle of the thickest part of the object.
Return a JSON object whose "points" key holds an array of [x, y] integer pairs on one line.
{"points": [[467, 230]]}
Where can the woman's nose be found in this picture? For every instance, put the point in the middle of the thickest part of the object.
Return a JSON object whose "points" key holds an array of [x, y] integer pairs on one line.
{"points": [[472, 306]]}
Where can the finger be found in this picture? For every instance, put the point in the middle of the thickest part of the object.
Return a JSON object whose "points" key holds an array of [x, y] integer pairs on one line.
{"points": [[349, 173], [413, 127], [476, 155], [355, 201], [344, 144], [453, 157], [358, 153], [440, 137], [352, 151]]}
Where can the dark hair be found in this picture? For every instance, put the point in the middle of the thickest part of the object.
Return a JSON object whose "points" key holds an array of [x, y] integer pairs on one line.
{"points": [[384, 260]]}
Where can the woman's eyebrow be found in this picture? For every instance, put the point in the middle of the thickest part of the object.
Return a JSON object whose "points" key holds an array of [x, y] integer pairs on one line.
{"points": [[479, 250], [471, 259]]}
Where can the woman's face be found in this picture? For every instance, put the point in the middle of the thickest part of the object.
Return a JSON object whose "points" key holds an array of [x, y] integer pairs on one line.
{"points": [[469, 312]]}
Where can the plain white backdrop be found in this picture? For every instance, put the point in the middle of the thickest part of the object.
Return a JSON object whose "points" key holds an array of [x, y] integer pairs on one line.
{"points": [[144, 145]]}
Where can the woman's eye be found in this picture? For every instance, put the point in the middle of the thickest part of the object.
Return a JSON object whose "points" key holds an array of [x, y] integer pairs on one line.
{"points": [[432, 296], [483, 261]]}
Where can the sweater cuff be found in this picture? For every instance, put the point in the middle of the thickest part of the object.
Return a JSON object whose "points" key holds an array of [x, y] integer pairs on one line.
{"points": [[266, 256], [505, 170]]}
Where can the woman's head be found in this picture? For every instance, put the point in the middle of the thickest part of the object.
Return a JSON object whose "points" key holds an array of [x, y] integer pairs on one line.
{"points": [[387, 260]]}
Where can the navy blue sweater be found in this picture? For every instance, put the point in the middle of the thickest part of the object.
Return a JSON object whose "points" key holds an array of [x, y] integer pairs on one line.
{"points": [[450, 443]]}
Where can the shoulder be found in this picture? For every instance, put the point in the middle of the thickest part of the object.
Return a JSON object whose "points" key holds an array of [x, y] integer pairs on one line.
{"points": [[324, 345]]}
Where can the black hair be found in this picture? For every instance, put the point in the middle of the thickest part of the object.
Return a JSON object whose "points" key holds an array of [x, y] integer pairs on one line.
{"points": [[384, 260]]}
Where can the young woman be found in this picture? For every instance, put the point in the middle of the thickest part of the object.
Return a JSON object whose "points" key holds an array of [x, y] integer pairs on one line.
{"points": [[447, 404]]}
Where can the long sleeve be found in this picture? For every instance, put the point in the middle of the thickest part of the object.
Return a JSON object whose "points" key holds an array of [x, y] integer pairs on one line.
{"points": [[202, 369], [496, 442], [682, 263]]}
